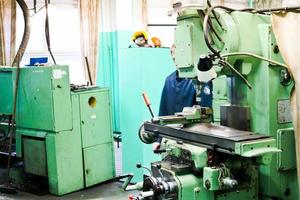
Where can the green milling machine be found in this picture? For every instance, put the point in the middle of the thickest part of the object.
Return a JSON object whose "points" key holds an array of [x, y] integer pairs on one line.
{"points": [[244, 147], [63, 134]]}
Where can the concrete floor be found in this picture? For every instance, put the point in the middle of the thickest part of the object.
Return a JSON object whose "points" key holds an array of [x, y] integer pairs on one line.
{"points": [[105, 191]]}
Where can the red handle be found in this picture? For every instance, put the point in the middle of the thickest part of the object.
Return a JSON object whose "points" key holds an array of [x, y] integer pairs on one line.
{"points": [[146, 99]]}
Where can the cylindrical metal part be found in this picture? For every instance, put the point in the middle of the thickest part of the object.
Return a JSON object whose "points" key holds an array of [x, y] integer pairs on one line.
{"points": [[230, 183], [144, 195], [146, 137]]}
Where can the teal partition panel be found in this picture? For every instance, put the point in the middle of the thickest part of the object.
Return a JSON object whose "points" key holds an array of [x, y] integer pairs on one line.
{"points": [[141, 70], [110, 44]]}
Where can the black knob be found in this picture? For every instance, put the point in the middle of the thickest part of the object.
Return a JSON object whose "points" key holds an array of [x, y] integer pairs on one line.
{"points": [[205, 63], [158, 166], [139, 165]]}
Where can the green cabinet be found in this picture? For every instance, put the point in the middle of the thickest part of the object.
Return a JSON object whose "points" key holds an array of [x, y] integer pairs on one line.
{"points": [[96, 135], [62, 135], [95, 117], [98, 164]]}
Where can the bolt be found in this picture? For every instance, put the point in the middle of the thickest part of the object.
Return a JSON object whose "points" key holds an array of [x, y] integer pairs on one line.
{"points": [[276, 49], [197, 190], [207, 184]]}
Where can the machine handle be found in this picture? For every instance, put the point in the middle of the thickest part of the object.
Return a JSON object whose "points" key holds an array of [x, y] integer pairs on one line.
{"points": [[159, 151], [148, 103], [146, 99]]}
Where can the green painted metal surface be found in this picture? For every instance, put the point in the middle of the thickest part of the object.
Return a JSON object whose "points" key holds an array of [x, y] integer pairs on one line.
{"points": [[211, 176], [36, 163], [96, 134], [95, 117], [64, 157], [27, 133], [191, 187], [286, 142], [142, 70], [220, 96], [98, 164], [236, 195], [265, 99], [65, 162], [60, 134], [6, 90], [198, 154], [43, 94]]}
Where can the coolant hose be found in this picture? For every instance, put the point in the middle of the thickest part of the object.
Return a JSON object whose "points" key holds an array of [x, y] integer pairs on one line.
{"points": [[16, 63], [26, 34]]}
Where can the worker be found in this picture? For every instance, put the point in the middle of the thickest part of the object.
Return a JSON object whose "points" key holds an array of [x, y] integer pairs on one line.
{"points": [[179, 93], [140, 39]]}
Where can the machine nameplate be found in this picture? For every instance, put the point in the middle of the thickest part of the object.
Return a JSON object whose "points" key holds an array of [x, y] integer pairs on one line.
{"points": [[284, 111]]}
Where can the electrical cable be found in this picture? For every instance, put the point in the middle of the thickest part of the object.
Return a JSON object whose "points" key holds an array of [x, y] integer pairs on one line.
{"points": [[26, 35], [47, 32], [205, 28], [269, 10], [201, 12], [214, 13]]}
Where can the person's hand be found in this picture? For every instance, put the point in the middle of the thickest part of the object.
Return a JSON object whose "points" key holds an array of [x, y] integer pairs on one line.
{"points": [[156, 146]]}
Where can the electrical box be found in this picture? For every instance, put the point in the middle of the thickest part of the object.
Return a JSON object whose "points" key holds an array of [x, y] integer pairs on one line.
{"points": [[44, 99]]}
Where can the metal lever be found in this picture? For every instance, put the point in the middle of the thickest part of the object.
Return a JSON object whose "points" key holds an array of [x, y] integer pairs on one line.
{"points": [[148, 103], [159, 171], [139, 165], [159, 151]]}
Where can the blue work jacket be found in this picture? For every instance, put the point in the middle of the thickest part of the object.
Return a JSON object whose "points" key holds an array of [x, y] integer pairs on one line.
{"points": [[180, 92]]}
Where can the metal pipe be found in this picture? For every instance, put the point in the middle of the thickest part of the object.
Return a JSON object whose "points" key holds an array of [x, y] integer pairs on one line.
{"points": [[225, 63], [88, 70], [273, 62], [283, 9], [47, 32]]}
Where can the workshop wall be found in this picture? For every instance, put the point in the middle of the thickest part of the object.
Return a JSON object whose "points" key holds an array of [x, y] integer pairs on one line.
{"points": [[64, 34], [119, 20]]}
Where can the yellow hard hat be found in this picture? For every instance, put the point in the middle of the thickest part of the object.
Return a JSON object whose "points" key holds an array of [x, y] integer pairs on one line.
{"points": [[139, 34]]}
